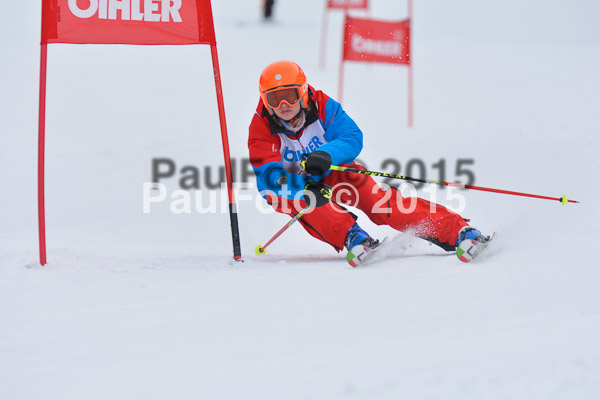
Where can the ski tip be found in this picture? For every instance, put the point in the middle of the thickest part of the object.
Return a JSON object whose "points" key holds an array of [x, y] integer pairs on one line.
{"points": [[463, 251], [259, 250]]}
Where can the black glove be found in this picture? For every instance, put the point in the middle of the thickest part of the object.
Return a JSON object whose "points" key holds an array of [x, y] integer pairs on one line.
{"points": [[316, 163], [316, 194]]}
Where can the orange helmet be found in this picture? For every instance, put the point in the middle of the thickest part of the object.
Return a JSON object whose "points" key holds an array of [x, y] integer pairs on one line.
{"points": [[283, 82]]}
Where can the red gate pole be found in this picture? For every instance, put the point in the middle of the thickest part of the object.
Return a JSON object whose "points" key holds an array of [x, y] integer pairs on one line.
{"points": [[41, 155], [341, 73], [410, 68], [235, 232], [324, 35]]}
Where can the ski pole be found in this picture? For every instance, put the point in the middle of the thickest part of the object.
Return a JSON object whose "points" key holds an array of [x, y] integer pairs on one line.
{"points": [[562, 199], [261, 249]]}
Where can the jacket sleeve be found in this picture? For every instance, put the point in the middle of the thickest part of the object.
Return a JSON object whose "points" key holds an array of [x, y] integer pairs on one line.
{"points": [[265, 159], [344, 137]]}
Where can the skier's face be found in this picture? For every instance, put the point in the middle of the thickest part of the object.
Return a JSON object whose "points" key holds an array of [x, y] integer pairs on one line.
{"points": [[286, 112]]}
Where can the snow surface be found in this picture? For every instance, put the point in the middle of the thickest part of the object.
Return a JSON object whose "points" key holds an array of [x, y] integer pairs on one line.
{"points": [[151, 306]]}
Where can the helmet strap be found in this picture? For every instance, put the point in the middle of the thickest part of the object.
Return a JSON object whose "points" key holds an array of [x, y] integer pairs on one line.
{"points": [[295, 124], [295, 118]]}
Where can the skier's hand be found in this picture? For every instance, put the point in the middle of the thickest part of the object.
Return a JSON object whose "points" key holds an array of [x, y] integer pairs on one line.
{"points": [[316, 163], [316, 194]]}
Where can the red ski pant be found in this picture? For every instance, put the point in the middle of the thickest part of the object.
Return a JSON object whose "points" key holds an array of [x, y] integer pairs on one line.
{"points": [[331, 222]]}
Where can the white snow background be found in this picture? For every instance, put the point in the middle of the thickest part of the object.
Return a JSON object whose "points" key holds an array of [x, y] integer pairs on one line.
{"points": [[151, 306]]}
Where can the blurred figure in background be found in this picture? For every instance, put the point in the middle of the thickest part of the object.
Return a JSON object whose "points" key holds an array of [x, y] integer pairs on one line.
{"points": [[268, 9]]}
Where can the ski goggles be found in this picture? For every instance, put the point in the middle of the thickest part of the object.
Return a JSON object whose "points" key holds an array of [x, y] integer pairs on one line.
{"points": [[276, 97]]}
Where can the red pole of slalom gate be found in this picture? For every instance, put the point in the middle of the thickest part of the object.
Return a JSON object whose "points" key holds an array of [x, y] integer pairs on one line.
{"points": [[341, 73], [410, 67], [41, 153], [562, 199], [324, 29], [235, 232]]}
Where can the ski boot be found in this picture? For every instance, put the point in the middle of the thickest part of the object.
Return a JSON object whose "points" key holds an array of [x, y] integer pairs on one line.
{"points": [[470, 243], [359, 245]]}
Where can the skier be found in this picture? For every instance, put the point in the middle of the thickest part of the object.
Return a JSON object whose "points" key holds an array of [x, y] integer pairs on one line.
{"points": [[296, 135], [268, 9]]}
